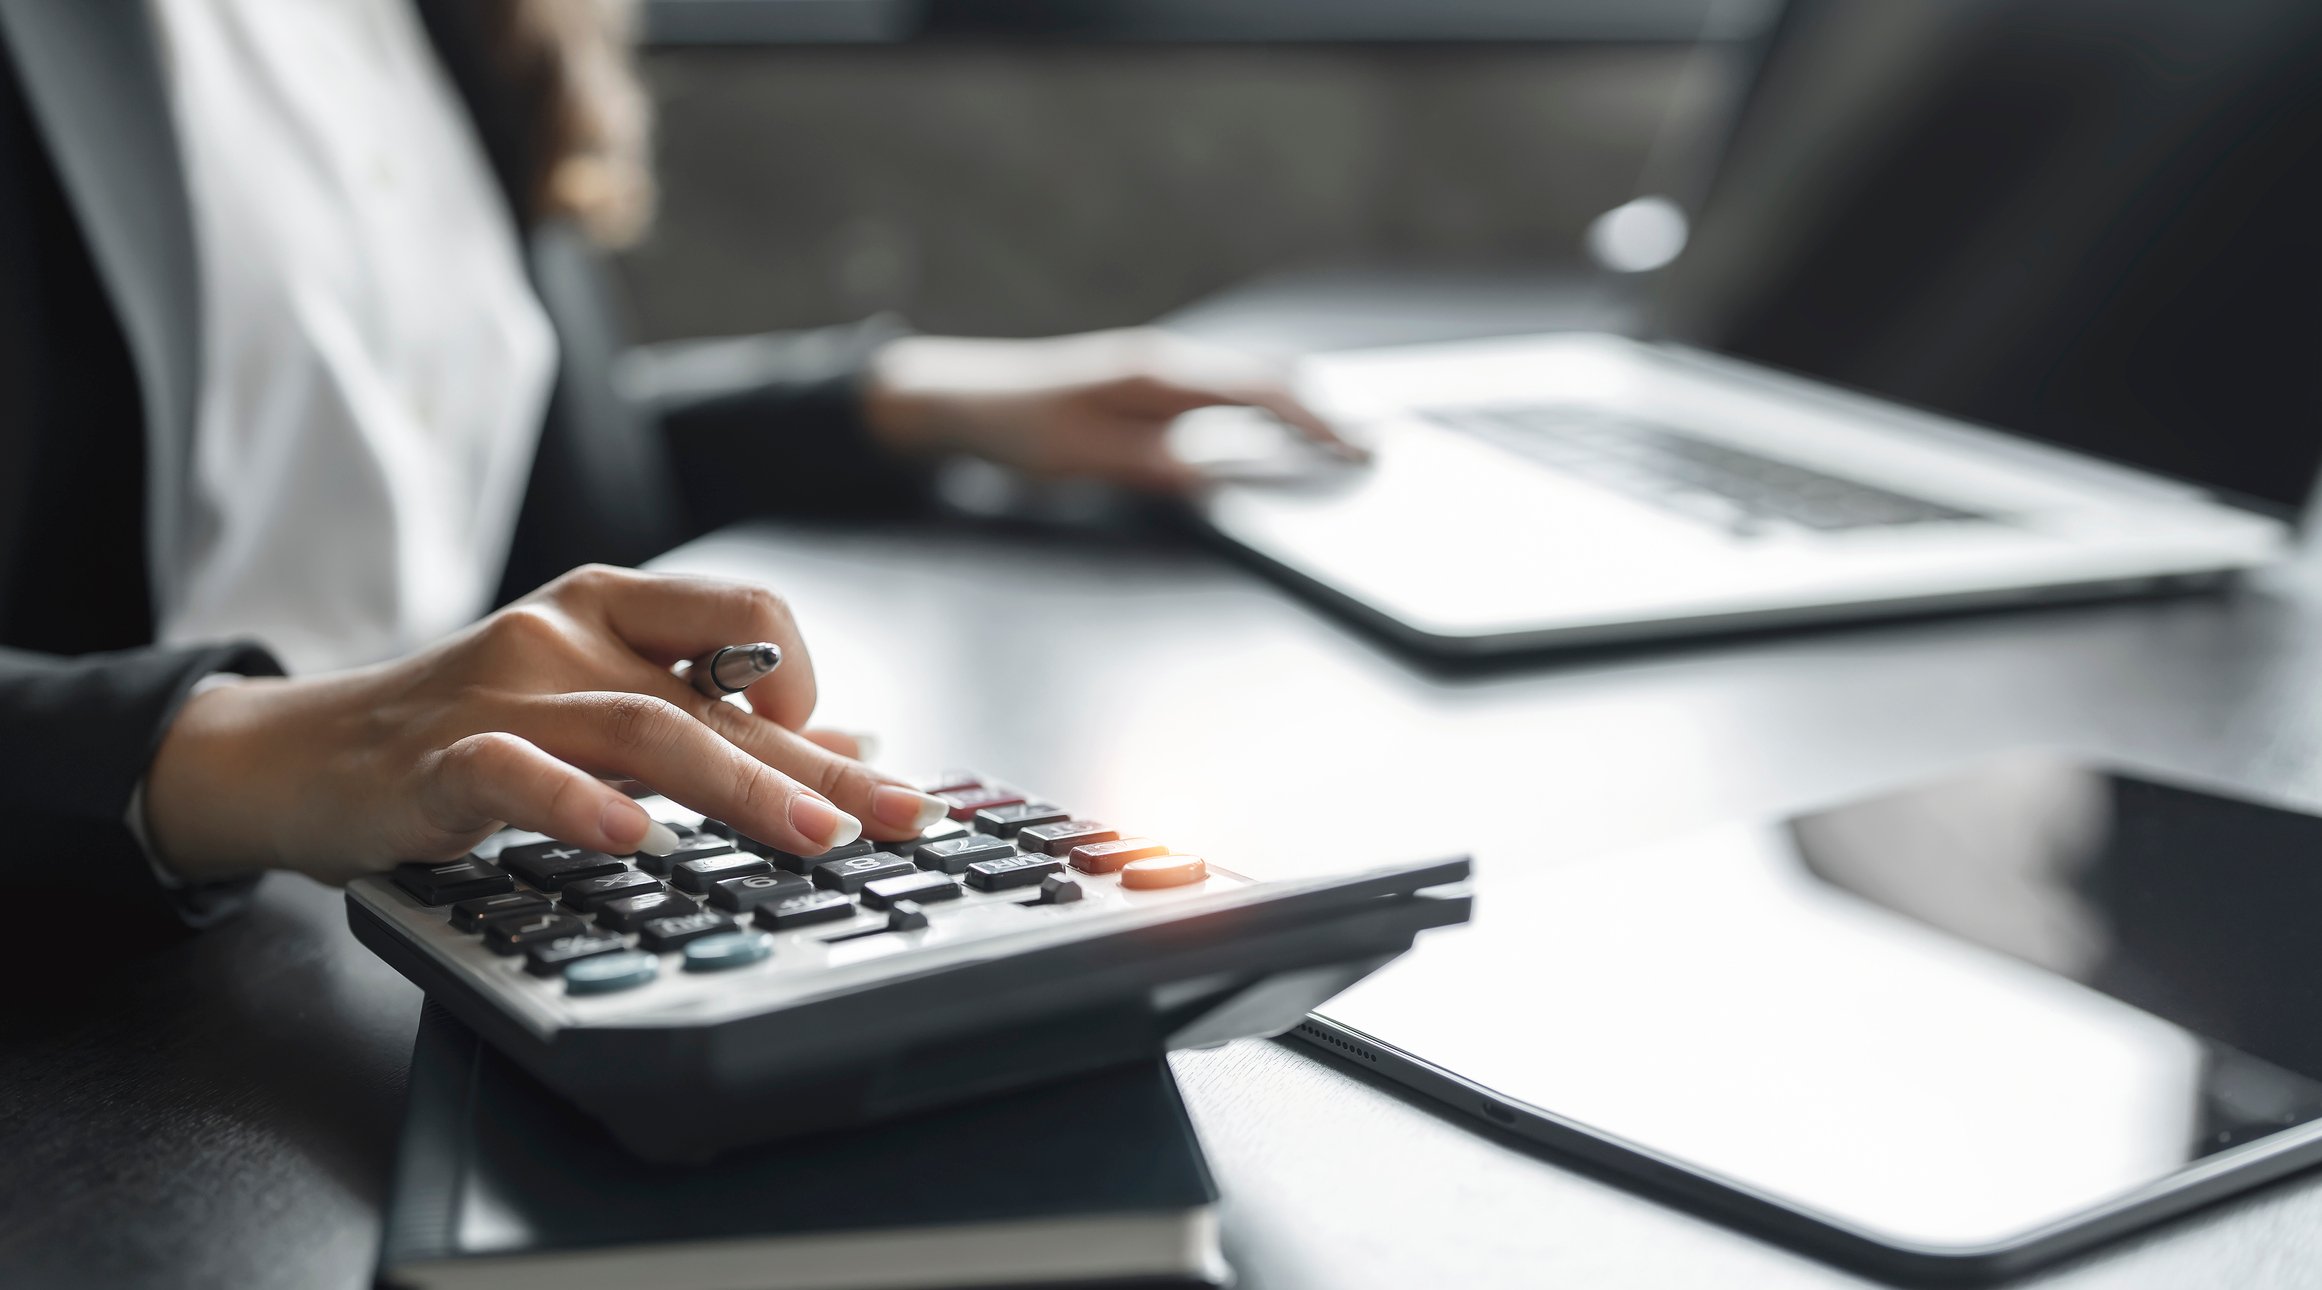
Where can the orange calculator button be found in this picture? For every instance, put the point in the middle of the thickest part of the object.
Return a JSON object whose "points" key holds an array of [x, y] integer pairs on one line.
{"points": [[1163, 871]]}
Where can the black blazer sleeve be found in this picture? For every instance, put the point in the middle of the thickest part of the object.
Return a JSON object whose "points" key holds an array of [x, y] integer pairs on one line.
{"points": [[771, 423], [76, 736], [644, 447]]}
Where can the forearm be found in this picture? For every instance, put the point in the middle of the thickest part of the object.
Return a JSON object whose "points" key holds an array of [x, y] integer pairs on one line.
{"points": [[77, 735]]}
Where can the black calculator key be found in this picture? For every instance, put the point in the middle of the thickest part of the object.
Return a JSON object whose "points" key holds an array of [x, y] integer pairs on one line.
{"points": [[849, 875], [1060, 838], [805, 911], [698, 876], [693, 848], [659, 934], [509, 934], [1060, 891], [628, 913], [461, 879], [550, 865], [588, 893], [1011, 871], [906, 916], [941, 830], [1008, 821], [954, 855], [746, 893], [918, 885], [791, 862], [549, 957], [471, 915]]}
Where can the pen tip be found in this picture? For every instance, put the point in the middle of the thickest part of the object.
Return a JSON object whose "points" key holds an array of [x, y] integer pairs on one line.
{"points": [[766, 655]]}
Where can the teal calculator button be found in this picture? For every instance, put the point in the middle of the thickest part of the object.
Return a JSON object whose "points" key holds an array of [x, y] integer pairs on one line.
{"points": [[727, 950], [606, 973]]}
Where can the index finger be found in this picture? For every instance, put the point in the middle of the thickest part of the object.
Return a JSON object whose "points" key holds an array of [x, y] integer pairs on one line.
{"points": [[668, 618]]}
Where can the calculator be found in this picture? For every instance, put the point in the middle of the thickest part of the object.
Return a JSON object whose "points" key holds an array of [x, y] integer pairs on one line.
{"points": [[731, 992]]}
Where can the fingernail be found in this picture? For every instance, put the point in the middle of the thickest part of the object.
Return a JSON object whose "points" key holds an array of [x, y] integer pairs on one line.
{"points": [[898, 807], [626, 823], [659, 840], [866, 747], [819, 821]]}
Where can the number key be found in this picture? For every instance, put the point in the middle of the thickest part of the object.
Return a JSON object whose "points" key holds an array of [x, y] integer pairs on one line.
{"points": [[1008, 821], [850, 875], [954, 855], [746, 893]]}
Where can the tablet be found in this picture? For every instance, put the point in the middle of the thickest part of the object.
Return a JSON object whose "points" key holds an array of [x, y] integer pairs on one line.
{"points": [[1961, 1028]]}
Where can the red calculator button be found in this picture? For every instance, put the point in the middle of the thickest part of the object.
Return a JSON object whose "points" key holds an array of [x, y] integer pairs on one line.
{"points": [[1105, 857]]}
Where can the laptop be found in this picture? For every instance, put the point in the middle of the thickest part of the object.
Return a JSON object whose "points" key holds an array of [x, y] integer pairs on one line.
{"points": [[1988, 301]]}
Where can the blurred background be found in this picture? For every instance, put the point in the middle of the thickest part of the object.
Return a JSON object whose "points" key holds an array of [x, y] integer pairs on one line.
{"points": [[1025, 167]]}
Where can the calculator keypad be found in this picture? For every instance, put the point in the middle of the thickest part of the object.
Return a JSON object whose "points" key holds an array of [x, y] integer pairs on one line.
{"points": [[601, 925]]}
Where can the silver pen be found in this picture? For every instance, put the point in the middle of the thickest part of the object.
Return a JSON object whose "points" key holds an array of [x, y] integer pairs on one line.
{"points": [[731, 669]]}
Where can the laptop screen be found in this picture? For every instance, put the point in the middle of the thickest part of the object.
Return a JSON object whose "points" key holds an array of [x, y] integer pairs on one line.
{"points": [[2096, 223]]}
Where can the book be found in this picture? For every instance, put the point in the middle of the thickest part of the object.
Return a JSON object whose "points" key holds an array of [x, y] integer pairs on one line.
{"points": [[1098, 1181]]}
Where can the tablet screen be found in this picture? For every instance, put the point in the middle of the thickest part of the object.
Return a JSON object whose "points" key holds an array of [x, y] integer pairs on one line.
{"points": [[1948, 1016]]}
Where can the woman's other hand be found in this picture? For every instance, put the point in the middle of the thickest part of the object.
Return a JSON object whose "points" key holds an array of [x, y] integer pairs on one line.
{"points": [[512, 722], [1094, 406]]}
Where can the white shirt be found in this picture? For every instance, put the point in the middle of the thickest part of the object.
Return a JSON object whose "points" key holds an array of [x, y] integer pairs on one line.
{"points": [[374, 363]]}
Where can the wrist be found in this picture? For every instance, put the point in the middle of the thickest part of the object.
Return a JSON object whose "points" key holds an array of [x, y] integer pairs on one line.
{"points": [[202, 816], [899, 414]]}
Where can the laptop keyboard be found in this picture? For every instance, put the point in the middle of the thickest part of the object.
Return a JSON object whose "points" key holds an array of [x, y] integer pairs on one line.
{"points": [[1696, 478]]}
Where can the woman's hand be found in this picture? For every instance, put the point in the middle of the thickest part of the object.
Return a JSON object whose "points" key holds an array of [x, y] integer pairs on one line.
{"points": [[1096, 406], [512, 721]]}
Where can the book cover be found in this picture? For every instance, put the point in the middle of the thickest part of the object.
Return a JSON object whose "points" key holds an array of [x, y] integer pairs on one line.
{"points": [[1096, 1181]]}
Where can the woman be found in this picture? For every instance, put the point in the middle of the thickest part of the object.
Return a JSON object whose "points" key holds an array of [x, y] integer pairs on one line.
{"points": [[304, 360]]}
